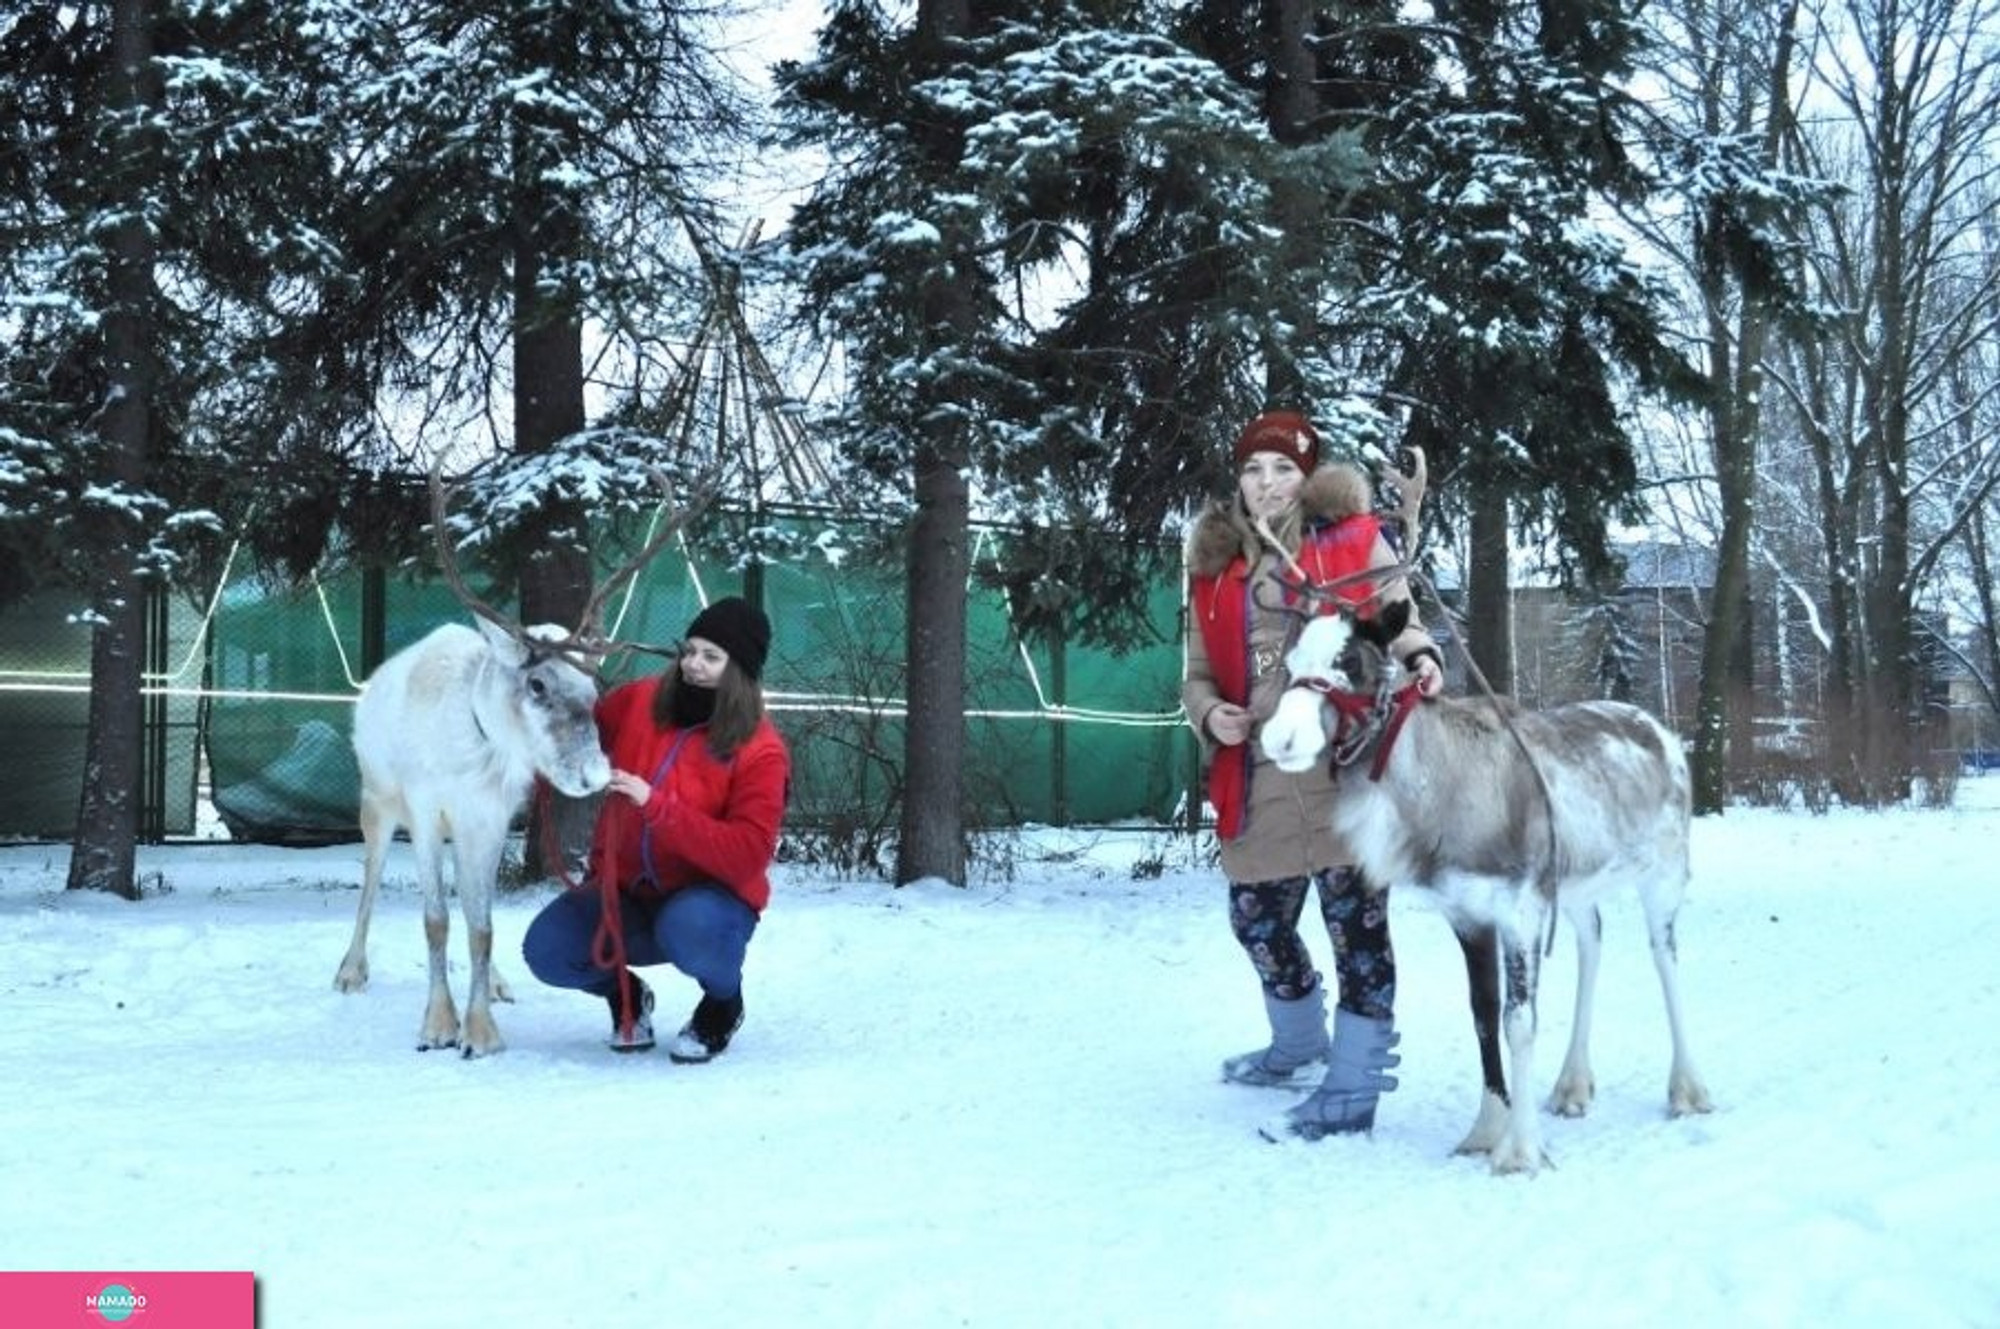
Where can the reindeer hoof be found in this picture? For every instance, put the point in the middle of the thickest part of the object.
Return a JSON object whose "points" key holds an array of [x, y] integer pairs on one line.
{"points": [[1572, 1095], [1568, 1105], [1512, 1159], [1489, 1128], [1687, 1100], [351, 978], [1515, 1167]]}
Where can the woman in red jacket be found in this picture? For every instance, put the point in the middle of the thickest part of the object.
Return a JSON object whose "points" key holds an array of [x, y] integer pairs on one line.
{"points": [[687, 833]]}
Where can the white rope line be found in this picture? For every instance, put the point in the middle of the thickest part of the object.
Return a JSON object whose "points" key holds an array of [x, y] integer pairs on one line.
{"points": [[776, 701], [227, 694], [207, 617], [333, 631], [186, 665], [694, 575], [1060, 711], [631, 589], [807, 701]]}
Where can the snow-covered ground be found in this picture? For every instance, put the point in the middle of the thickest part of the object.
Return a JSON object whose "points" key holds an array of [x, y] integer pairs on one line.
{"points": [[1000, 1107]]}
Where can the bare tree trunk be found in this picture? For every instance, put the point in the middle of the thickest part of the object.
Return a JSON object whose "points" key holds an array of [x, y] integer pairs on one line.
{"points": [[1724, 729], [556, 578], [939, 558], [1291, 106], [1893, 698], [104, 853], [1489, 593], [1722, 719], [1836, 506], [1728, 606], [933, 833]]}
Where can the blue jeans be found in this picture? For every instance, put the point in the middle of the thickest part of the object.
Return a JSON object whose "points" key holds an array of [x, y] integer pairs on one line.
{"points": [[703, 931]]}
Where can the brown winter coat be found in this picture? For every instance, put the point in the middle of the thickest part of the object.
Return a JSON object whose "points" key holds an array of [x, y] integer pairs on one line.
{"points": [[1288, 824]]}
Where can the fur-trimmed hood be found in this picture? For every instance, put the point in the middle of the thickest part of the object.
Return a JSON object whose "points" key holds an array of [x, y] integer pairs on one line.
{"points": [[1333, 491]]}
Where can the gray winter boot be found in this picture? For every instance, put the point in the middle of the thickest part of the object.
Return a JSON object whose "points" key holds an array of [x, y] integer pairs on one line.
{"points": [[1296, 1058], [1344, 1103]]}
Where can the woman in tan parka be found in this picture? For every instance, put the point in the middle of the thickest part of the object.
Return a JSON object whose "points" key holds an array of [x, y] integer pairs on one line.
{"points": [[1276, 829]]}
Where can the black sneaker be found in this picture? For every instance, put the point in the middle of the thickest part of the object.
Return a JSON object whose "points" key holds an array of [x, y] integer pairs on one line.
{"points": [[640, 1037], [708, 1030]]}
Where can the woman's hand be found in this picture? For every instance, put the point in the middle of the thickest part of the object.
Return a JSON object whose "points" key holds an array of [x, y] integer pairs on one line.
{"points": [[634, 787], [1228, 724]]}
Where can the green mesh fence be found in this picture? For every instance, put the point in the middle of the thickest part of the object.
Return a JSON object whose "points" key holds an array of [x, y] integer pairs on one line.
{"points": [[286, 669], [45, 716], [264, 684]]}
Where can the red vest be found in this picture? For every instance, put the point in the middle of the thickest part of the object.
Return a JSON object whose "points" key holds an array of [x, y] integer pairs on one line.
{"points": [[1221, 605]]}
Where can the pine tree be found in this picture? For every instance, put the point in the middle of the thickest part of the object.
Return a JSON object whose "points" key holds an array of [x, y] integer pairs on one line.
{"points": [[1484, 302], [1049, 246], [139, 237], [511, 227], [318, 213], [518, 173]]}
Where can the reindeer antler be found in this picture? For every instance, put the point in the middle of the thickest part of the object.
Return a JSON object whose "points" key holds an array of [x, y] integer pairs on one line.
{"points": [[591, 624], [1263, 526], [448, 563], [1323, 592], [1410, 488], [587, 643]]}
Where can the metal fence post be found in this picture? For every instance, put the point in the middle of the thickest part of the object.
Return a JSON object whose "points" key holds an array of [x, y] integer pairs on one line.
{"points": [[153, 722]]}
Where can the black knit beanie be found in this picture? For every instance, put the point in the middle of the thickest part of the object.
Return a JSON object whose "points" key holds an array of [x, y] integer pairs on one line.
{"points": [[737, 628]]}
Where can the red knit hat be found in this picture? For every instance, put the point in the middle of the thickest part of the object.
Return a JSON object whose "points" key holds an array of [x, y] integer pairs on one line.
{"points": [[1287, 433]]}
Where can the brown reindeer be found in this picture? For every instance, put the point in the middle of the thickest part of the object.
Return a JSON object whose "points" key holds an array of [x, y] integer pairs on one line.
{"points": [[1505, 816]]}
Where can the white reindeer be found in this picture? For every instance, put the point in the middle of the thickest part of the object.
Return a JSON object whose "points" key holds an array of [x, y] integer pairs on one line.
{"points": [[450, 734], [1503, 814]]}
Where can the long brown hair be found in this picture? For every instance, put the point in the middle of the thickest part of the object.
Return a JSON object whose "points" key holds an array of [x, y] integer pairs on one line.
{"points": [[739, 707]]}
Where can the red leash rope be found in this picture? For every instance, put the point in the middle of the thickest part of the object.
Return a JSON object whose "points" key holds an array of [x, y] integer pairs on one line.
{"points": [[607, 947]]}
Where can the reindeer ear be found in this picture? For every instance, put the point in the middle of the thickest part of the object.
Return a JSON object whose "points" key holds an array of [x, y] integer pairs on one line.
{"points": [[505, 646], [1395, 617]]}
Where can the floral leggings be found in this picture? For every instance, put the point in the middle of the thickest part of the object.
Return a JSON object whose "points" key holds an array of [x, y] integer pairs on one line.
{"points": [[1264, 915]]}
